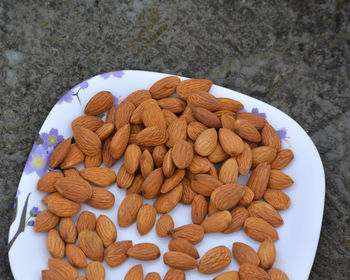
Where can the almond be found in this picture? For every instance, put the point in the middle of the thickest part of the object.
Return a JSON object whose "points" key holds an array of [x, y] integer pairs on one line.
{"points": [[206, 142], [182, 245], [248, 196], [212, 171], [243, 253], [265, 211], [230, 142], [152, 115], [63, 207], [60, 153], [111, 115], [90, 122], [211, 209], [182, 154], [86, 221], [45, 221], [218, 155], [136, 117], [124, 179], [138, 96], [247, 131], [108, 160], [176, 131], [164, 87], [153, 276], [168, 164], [99, 103], [146, 217], [87, 140], [175, 274], [74, 157], [267, 254], [199, 165], [228, 172], [173, 104], [169, 117], [120, 141], [187, 193], [203, 99], [282, 159], [74, 188], [228, 121], [205, 184], [239, 214], [67, 230], [158, 155], [115, 253], [91, 244], [279, 180], [168, 201], [228, 275], [179, 260], [144, 251], [71, 172], [152, 136], [173, 181], [259, 230], [50, 275], [165, 225], [55, 244], [128, 209], [249, 271], [136, 186], [94, 161], [146, 163], [194, 129], [270, 137], [229, 104], [64, 269], [184, 88], [206, 117], [105, 131], [123, 114], [106, 230], [101, 199], [192, 233], [277, 274], [215, 260], [51, 196], [255, 119], [258, 179], [152, 184], [75, 256], [263, 153], [99, 176], [47, 182], [227, 196], [278, 199], [220, 113], [244, 160], [217, 222], [95, 271], [135, 273]]}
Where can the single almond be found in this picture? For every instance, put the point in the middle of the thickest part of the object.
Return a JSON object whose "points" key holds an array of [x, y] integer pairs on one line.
{"points": [[182, 154], [206, 117], [230, 142], [267, 253], [228, 172], [229, 104], [136, 117], [169, 117], [120, 141], [277, 274], [171, 182], [105, 131], [128, 209], [45, 221], [243, 253], [152, 136], [99, 176], [138, 96], [67, 230], [265, 211], [63, 207], [87, 140], [136, 186], [74, 188], [90, 122], [187, 193], [91, 244], [255, 119], [64, 269], [51, 196], [99, 103], [244, 160], [146, 163], [176, 131], [158, 155], [247, 131], [205, 184], [218, 155], [258, 229], [215, 260], [101, 199], [228, 275], [203, 99], [108, 160], [239, 215], [152, 184], [199, 165], [194, 129], [60, 153], [135, 273], [146, 217], [47, 182], [144, 251], [86, 221], [278, 199], [152, 115], [217, 222], [248, 196], [110, 118], [227, 196], [71, 172], [93, 161], [199, 209], [73, 158], [258, 179], [279, 180], [124, 179], [168, 201], [182, 245], [191, 232], [55, 245], [164, 87], [168, 164], [228, 121], [263, 153], [164, 226], [283, 158], [270, 137], [249, 271], [153, 276], [51, 275], [184, 88], [75, 256], [173, 104], [115, 253], [106, 230], [179, 260], [95, 270], [206, 142], [175, 274], [123, 114]]}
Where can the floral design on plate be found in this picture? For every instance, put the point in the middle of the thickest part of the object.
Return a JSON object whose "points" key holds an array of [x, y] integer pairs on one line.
{"points": [[34, 212], [116, 74]]}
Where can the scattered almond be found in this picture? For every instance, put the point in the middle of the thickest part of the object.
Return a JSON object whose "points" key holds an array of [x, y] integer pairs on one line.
{"points": [[106, 230], [146, 218], [135, 273], [99, 103], [128, 209], [215, 260], [243, 253], [267, 253], [75, 256], [115, 253], [144, 252], [179, 260], [95, 271], [55, 244], [165, 225]]}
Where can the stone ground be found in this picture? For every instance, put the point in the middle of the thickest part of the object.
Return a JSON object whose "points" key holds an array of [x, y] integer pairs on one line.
{"points": [[292, 54]]}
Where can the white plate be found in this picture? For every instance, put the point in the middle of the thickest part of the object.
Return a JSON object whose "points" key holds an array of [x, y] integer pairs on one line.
{"points": [[299, 235]]}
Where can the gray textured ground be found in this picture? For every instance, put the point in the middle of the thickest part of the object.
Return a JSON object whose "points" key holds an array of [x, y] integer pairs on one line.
{"points": [[290, 54]]}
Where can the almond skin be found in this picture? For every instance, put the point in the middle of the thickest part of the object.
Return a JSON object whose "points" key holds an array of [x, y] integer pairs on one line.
{"points": [[220, 113], [153, 276], [47, 182], [244, 160], [282, 159], [87, 140], [50, 275], [135, 273], [152, 115], [239, 215], [218, 155], [228, 104], [279, 180], [158, 155], [146, 163], [164, 87], [123, 114], [71, 172], [230, 142], [136, 117], [258, 180], [206, 117], [270, 137], [51, 196], [194, 129], [199, 165], [173, 104], [99, 103], [74, 188], [228, 172], [177, 131], [93, 161], [136, 186], [63, 207], [267, 253], [86, 221], [247, 131], [101, 199], [259, 230], [165, 225], [206, 142], [203, 99], [277, 274], [192, 233], [205, 184], [249, 271], [60, 153], [278, 199], [124, 179], [228, 275], [64, 269], [67, 230], [146, 217], [108, 160], [105, 131], [99, 176], [168, 201], [106, 230], [152, 136], [90, 122], [184, 88], [248, 196], [76, 256], [110, 118], [152, 184], [258, 121], [120, 141], [74, 157], [265, 211], [243, 253], [215, 260], [182, 245], [263, 153], [171, 182], [168, 164], [45, 221], [144, 252], [55, 244], [217, 222], [115, 253], [128, 209], [228, 121], [95, 270], [91, 244], [182, 154], [138, 96], [174, 274], [179, 260], [199, 209], [227, 196], [169, 117], [187, 193]]}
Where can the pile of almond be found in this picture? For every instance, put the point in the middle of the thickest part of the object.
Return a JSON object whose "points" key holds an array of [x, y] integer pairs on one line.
{"points": [[190, 149]]}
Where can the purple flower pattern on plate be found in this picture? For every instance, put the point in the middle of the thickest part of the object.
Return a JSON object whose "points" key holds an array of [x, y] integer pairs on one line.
{"points": [[34, 212], [116, 74], [51, 139]]}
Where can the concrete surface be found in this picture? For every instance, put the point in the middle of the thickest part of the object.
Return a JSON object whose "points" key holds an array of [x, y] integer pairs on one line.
{"points": [[292, 54]]}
